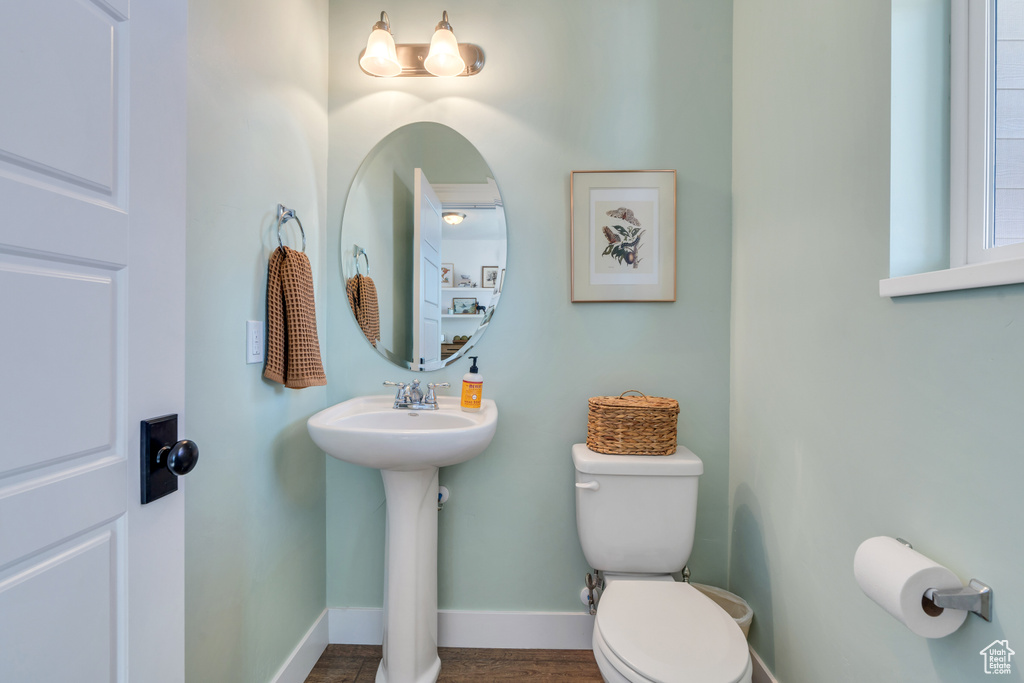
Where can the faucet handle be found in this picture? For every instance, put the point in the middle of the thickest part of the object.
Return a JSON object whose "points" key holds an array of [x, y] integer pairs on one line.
{"points": [[403, 394], [431, 396]]}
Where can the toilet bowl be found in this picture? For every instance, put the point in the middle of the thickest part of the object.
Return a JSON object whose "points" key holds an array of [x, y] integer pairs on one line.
{"points": [[667, 632], [650, 628]]}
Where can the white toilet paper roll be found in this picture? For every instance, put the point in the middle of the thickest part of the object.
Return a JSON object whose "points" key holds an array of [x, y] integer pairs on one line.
{"points": [[896, 577]]}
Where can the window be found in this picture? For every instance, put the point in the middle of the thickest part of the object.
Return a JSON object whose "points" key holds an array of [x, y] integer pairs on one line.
{"points": [[985, 153], [986, 131]]}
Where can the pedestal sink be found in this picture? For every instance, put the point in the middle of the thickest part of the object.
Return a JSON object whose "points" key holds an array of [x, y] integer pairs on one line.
{"points": [[408, 447]]}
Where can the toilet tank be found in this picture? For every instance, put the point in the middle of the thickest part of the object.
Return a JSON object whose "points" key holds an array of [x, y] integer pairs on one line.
{"points": [[636, 513]]}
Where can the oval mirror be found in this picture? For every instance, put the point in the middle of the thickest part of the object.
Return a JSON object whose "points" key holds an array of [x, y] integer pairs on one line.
{"points": [[423, 246]]}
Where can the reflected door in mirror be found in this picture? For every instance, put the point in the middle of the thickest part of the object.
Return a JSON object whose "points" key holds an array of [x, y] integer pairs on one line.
{"points": [[426, 279]]}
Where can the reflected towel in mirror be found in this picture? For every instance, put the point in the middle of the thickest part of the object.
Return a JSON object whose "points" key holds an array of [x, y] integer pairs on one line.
{"points": [[362, 297]]}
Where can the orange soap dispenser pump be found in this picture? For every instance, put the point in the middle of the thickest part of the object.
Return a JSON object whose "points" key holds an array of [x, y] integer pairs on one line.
{"points": [[472, 388]]}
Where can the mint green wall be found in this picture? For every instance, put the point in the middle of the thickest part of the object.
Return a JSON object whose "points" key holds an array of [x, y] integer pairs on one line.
{"points": [[852, 415], [255, 504], [572, 85]]}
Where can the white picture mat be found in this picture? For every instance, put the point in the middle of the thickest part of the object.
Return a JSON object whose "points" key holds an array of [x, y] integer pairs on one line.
{"points": [[628, 197]]}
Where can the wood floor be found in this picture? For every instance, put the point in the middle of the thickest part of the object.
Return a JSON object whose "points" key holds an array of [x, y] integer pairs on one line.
{"points": [[358, 664]]}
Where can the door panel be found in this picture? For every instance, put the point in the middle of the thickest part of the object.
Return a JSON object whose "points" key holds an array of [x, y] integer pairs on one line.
{"points": [[75, 340], [63, 55], [64, 598]]}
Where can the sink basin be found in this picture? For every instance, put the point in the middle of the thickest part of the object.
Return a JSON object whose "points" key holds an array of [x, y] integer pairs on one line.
{"points": [[368, 431]]}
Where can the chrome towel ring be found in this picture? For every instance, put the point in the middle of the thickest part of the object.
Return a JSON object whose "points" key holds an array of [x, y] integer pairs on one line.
{"points": [[283, 216], [358, 251]]}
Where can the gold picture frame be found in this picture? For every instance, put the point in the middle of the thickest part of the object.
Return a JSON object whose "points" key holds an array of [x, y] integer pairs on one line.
{"points": [[622, 236]]}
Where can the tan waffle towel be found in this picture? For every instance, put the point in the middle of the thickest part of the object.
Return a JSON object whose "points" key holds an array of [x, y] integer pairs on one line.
{"points": [[293, 348], [362, 297]]}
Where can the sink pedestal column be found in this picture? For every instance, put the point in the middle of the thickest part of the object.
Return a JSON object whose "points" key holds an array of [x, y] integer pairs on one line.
{"points": [[410, 585]]}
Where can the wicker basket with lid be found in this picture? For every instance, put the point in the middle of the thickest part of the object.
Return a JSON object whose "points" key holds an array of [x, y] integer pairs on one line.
{"points": [[632, 425]]}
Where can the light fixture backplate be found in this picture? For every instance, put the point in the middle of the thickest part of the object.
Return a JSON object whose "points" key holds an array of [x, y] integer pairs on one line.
{"points": [[411, 56]]}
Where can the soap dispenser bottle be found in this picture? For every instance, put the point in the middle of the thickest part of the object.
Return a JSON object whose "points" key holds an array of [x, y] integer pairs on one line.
{"points": [[472, 388]]}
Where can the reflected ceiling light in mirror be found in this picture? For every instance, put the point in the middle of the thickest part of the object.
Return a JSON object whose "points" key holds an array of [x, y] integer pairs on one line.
{"points": [[444, 56], [444, 59], [453, 217], [380, 58]]}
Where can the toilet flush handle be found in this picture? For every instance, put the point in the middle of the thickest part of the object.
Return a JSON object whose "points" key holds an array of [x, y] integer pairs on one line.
{"points": [[592, 485]]}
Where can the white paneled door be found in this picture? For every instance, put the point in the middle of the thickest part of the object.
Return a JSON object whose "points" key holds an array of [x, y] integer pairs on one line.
{"points": [[92, 264]]}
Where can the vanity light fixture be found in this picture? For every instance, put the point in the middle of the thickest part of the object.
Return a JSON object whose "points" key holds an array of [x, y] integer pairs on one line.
{"points": [[380, 57], [453, 217], [444, 56]]}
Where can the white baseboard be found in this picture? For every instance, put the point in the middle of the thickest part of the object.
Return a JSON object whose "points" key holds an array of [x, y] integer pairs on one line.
{"points": [[355, 626], [305, 655], [761, 672], [521, 630], [458, 628]]}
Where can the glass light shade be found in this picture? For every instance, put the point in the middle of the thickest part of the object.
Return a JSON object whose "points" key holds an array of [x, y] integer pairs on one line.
{"points": [[444, 58], [453, 217], [380, 58]]}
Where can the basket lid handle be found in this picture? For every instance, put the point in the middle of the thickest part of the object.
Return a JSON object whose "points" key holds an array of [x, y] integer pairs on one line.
{"points": [[633, 390]]}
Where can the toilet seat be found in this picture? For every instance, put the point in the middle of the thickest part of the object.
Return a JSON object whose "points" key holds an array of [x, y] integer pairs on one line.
{"points": [[669, 632]]}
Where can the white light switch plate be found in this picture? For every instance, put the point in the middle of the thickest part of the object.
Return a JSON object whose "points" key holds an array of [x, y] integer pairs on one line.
{"points": [[253, 341]]}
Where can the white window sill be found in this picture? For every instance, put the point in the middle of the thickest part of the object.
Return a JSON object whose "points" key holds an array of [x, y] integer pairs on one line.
{"points": [[991, 274]]}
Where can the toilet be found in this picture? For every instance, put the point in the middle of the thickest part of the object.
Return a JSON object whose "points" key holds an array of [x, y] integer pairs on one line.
{"points": [[636, 516]]}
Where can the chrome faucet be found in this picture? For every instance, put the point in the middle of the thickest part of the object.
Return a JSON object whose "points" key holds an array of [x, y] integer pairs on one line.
{"points": [[412, 397]]}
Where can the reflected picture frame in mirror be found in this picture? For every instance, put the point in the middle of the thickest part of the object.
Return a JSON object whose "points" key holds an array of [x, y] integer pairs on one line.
{"points": [[466, 305], [489, 276], [393, 212]]}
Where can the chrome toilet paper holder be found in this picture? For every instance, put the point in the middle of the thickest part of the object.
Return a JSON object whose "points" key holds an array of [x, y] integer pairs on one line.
{"points": [[974, 597]]}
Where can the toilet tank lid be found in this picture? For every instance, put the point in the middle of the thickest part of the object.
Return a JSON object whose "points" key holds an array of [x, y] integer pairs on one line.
{"points": [[682, 463]]}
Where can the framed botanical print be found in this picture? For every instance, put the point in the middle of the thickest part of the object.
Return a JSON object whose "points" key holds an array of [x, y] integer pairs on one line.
{"points": [[623, 235]]}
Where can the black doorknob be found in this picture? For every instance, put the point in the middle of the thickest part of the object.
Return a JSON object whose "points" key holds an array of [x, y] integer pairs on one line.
{"points": [[181, 457], [162, 463]]}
